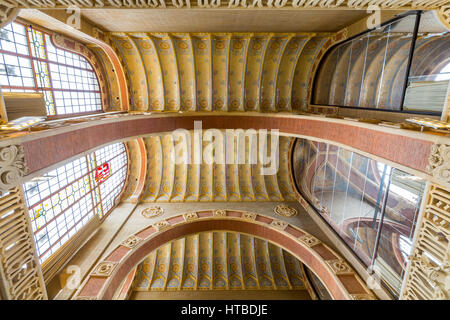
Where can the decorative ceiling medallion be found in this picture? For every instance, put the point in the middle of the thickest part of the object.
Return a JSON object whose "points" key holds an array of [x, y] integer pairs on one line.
{"points": [[285, 211], [152, 212]]}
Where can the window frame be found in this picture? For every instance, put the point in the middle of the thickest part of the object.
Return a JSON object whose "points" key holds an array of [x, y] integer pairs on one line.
{"points": [[313, 207], [51, 89], [93, 190], [418, 14]]}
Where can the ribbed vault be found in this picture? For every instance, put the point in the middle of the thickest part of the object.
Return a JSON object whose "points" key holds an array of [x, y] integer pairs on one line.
{"points": [[218, 71], [167, 181], [219, 260]]}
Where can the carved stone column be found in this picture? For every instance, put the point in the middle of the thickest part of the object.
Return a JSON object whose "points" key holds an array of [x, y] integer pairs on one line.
{"points": [[20, 271], [428, 274]]}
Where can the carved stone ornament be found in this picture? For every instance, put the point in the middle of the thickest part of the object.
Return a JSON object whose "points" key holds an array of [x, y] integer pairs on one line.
{"points": [[439, 162], [161, 225], [8, 11], [104, 269], [220, 213], [12, 167], [278, 224], [309, 240], [131, 242], [339, 267], [439, 276], [190, 216], [444, 15], [152, 212], [249, 215], [285, 211]]}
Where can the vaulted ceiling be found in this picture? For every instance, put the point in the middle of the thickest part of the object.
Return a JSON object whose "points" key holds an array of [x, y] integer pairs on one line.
{"points": [[219, 260], [218, 71], [167, 181]]}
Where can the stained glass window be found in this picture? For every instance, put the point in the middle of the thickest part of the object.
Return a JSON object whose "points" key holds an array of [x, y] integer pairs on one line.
{"points": [[66, 198], [29, 62]]}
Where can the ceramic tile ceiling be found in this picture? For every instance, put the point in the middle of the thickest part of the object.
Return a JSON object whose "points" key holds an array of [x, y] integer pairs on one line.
{"points": [[219, 260], [218, 72], [170, 182]]}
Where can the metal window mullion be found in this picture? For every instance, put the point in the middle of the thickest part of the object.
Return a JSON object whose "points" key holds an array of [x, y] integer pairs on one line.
{"points": [[346, 189], [334, 183], [324, 172], [91, 183], [380, 223], [49, 72], [364, 69], [362, 199], [382, 69], [410, 57], [124, 166], [30, 56]]}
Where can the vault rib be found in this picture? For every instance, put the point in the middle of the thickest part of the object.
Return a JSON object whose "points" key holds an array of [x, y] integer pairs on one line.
{"points": [[287, 67], [260, 79], [139, 53], [178, 82], [163, 94]]}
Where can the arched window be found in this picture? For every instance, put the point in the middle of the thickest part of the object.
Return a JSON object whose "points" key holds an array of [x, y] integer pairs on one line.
{"points": [[29, 62], [395, 67], [64, 199], [362, 200]]}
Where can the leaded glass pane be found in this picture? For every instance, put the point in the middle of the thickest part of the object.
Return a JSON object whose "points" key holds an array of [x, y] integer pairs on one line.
{"points": [[30, 62], [63, 200]]}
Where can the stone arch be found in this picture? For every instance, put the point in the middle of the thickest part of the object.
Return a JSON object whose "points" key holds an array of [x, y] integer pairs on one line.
{"points": [[336, 274]]}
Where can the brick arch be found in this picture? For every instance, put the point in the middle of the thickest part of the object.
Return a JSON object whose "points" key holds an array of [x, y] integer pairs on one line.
{"points": [[340, 279]]}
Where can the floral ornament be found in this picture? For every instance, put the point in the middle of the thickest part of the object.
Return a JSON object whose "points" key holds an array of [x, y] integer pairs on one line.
{"points": [[12, 166], [285, 211], [152, 212], [438, 162]]}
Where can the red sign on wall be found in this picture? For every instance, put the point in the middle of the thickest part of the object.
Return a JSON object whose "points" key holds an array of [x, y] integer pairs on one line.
{"points": [[102, 172]]}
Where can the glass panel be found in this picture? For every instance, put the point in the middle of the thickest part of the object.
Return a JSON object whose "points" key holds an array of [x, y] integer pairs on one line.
{"points": [[67, 79], [63, 200], [368, 71], [430, 68], [403, 205], [348, 190]]}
